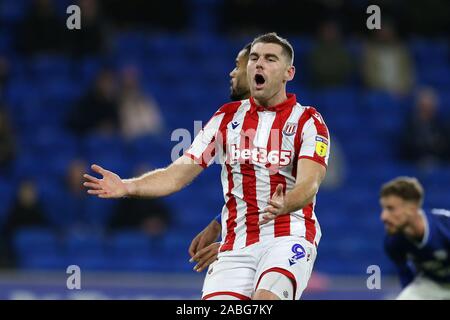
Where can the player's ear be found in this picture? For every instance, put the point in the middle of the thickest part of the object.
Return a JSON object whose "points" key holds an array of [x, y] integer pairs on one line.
{"points": [[411, 208], [290, 73]]}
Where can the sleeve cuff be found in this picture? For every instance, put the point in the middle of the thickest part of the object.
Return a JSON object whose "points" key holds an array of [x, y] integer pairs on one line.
{"points": [[198, 161], [318, 160]]}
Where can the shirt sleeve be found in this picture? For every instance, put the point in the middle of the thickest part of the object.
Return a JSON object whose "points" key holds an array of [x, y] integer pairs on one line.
{"points": [[315, 140], [203, 149]]}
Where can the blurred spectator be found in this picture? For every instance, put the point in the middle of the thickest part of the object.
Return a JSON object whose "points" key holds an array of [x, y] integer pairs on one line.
{"points": [[98, 110], [151, 216], [25, 212], [425, 137], [330, 62], [139, 113], [42, 30], [387, 64], [75, 193], [7, 141], [92, 37]]}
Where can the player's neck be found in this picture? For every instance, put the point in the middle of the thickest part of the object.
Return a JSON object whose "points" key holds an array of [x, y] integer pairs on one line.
{"points": [[416, 229], [276, 99]]}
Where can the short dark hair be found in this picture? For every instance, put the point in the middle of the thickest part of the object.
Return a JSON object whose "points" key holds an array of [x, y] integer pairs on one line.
{"points": [[406, 188], [247, 48], [272, 37]]}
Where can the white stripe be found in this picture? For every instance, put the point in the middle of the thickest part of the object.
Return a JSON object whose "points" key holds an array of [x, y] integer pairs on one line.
{"points": [[262, 174], [265, 122], [205, 136], [441, 212]]}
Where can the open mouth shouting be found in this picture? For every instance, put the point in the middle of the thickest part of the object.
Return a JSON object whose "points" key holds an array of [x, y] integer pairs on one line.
{"points": [[259, 81]]}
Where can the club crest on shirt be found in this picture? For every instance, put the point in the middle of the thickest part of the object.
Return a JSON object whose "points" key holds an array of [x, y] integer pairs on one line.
{"points": [[290, 128], [321, 146]]}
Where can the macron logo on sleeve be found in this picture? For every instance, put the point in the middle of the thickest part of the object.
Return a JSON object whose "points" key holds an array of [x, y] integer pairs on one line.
{"points": [[234, 124]]}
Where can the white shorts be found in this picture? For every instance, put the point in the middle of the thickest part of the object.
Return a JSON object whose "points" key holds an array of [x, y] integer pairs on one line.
{"points": [[422, 288], [238, 272]]}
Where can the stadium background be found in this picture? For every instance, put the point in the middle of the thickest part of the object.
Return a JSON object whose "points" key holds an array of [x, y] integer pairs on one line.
{"points": [[183, 51]]}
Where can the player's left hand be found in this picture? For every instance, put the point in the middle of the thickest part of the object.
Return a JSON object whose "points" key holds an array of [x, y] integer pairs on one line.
{"points": [[276, 206], [206, 256]]}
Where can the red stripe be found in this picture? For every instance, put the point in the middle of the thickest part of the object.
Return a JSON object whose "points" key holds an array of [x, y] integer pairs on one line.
{"points": [[317, 159], [282, 271], [310, 227], [282, 224], [226, 293], [249, 179], [232, 214], [231, 202]]}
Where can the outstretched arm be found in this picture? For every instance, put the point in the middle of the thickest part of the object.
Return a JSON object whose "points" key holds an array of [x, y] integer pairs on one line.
{"points": [[309, 177], [157, 183]]}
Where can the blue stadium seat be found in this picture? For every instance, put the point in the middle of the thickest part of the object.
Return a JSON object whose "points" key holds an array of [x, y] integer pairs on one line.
{"points": [[141, 263], [84, 243], [45, 67], [7, 195], [59, 208], [46, 261], [36, 241], [436, 75], [13, 11], [129, 46], [337, 101], [89, 261], [425, 51], [130, 243], [5, 43]]}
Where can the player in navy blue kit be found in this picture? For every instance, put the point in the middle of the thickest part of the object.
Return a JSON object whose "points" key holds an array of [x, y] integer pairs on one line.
{"points": [[417, 241]]}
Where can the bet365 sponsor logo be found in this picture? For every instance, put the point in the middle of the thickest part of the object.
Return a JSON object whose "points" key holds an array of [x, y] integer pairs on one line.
{"points": [[260, 155]]}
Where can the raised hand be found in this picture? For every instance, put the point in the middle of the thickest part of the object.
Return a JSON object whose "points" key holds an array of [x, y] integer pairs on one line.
{"points": [[110, 186]]}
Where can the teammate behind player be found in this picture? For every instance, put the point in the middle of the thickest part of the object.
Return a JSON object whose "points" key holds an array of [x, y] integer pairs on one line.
{"points": [[274, 154], [417, 241], [203, 248]]}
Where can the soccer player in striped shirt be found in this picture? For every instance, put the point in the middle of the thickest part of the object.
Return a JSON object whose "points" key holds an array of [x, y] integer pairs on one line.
{"points": [[417, 240], [274, 154], [204, 248]]}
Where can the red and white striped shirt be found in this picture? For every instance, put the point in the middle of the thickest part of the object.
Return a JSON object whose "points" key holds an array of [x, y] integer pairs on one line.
{"points": [[259, 148]]}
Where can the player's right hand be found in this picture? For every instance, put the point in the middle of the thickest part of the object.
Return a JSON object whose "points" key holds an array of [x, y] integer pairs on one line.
{"points": [[110, 186]]}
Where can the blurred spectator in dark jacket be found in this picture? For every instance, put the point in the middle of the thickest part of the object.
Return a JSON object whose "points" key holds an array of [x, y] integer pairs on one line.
{"points": [[42, 30], [7, 142], [91, 39], [387, 64], [98, 110], [25, 212], [139, 113], [425, 140], [151, 216], [329, 61]]}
